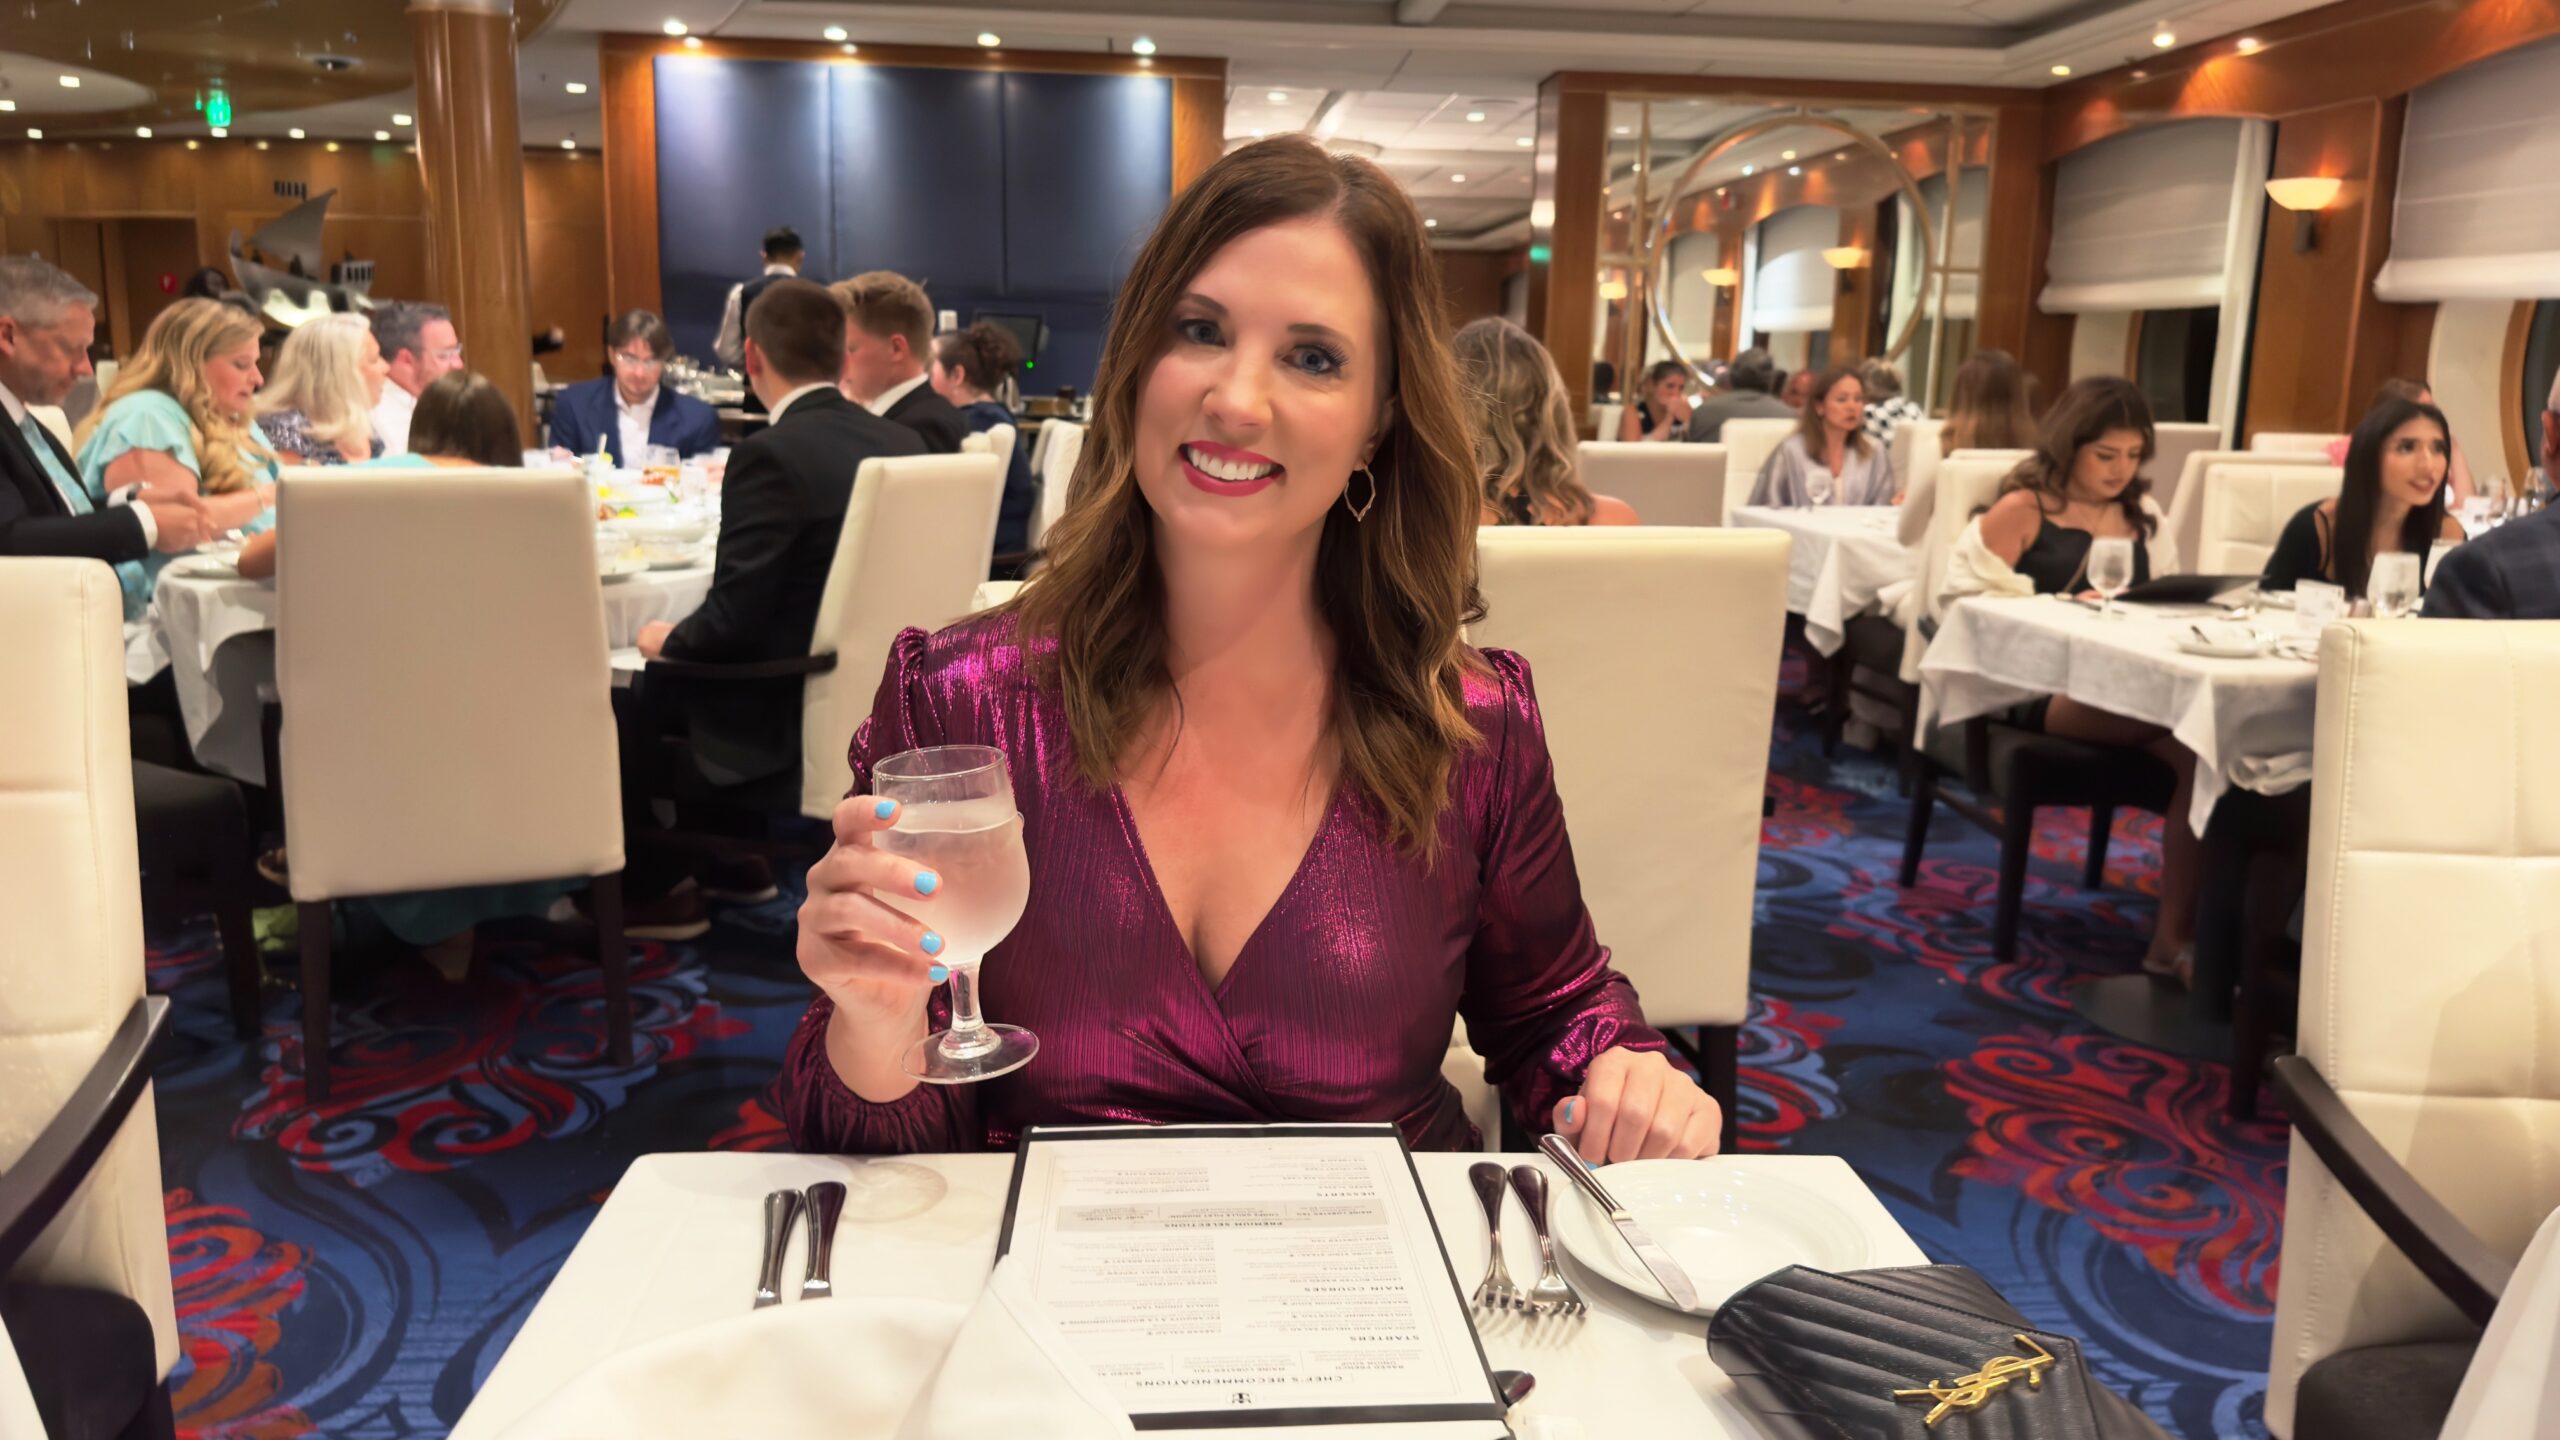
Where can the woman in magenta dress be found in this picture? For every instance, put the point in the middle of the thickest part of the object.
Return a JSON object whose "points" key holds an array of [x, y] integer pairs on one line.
{"points": [[1284, 826]]}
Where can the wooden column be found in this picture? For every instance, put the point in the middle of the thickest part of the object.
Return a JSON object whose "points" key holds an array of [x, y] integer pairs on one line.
{"points": [[1853, 306], [1564, 225], [2018, 234], [471, 158]]}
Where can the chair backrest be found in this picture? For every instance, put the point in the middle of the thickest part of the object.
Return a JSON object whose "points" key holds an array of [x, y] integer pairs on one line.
{"points": [[1914, 452], [1667, 484], [1748, 444], [440, 656], [2291, 442], [912, 552], [1966, 483], [1606, 418], [2245, 509], [2172, 442], [71, 923], [2185, 508], [996, 440], [1666, 836], [1062, 444], [2430, 969]]}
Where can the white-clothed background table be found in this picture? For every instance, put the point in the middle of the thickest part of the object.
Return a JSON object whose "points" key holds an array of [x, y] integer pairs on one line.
{"points": [[1842, 559], [218, 634], [677, 1245], [2249, 722]]}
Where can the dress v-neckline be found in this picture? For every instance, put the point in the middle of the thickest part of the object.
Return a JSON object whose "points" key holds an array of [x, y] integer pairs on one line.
{"points": [[1215, 994]]}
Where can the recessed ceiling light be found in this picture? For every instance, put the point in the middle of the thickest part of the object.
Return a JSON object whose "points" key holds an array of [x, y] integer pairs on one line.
{"points": [[1457, 179], [1430, 224], [331, 147], [1624, 130], [1256, 134], [142, 132], [221, 133], [1786, 154], [34, 134], [673, 27], [990, 39], [852, 49], [399, 119], [1142, 46], [194, 145], [1795, 169], [70, 82], [2061, 69], [2249, 45], [833, 32], [569, 144], [381, 135], [7, 105], [693, 42], [262, 144], [1475, 117], [576, 87], [2163, 39], [1525, 141], [1278, 97], [1750, 170], [1720, 189], [2141, 74], [295, 133]]}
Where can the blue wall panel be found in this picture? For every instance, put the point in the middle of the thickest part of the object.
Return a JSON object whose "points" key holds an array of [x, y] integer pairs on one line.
{"points": [[742, 147], [919, 175], [1088, 164]]}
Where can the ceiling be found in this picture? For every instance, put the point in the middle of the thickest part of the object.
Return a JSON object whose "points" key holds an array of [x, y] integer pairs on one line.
{"points": [[1441, 92]]}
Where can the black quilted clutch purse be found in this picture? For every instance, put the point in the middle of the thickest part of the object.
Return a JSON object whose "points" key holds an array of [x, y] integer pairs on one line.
{"points": [[1926, 1353]]}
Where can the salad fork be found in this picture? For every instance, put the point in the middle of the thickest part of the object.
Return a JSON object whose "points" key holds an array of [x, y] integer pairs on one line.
{"points": [[1495, 1291], [1553, 1294]]}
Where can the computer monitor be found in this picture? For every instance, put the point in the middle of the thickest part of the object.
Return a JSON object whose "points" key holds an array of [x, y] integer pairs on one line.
{"points": [[1029, 331]]}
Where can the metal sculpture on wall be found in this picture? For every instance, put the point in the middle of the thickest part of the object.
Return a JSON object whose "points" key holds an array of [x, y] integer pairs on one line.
{"points": [[295, 293]]}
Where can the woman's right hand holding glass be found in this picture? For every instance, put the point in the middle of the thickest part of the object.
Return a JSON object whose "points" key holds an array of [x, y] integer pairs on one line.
{"points": [[874, 962]]}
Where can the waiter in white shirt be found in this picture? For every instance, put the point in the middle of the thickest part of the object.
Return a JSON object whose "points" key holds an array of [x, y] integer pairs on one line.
{"points": [[419, 341], [782, 255]]}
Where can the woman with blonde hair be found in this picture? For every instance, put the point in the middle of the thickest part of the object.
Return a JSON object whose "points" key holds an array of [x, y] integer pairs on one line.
{"points": [[318, 407], [1283, 824], [1525, 441], [176, 420]]}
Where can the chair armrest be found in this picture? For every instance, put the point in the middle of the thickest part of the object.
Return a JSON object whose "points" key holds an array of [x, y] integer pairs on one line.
{"points": [[34, 1190], [2453, 1259], [783, 669]]}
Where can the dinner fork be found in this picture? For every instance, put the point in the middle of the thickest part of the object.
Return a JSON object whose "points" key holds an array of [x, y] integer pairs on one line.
{"points": [[1553, 1294], [1495, 1292]]}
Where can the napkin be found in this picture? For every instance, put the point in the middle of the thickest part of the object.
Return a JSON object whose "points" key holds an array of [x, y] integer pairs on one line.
{"points": [[827, 1369]]}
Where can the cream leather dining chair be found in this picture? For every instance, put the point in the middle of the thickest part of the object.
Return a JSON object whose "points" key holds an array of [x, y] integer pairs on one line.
{"points": [[1667, 484], [1914, 452], [1965, 483], [2291, 442], [80, 1198], [2185, 507], [996, 440], [1748, 444], [1062, 445], [1606, 419], [1665, 823], [2426, 1093], [2172, 441], [1041, 440], [2245, 508], [447, 707], [913, 551]]}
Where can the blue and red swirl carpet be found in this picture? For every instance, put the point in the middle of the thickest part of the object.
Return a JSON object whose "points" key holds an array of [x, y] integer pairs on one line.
{"points": [[353, 1273]]}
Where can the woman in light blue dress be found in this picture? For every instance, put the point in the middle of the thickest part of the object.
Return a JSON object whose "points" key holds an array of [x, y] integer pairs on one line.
{"points": [[178, 419]]}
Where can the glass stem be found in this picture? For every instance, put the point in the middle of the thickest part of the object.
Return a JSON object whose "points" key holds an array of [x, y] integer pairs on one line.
{"points": [[968, 1034]]}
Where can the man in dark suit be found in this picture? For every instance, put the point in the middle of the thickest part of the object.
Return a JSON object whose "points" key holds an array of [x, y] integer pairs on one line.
{"points": [[47, 322], [2513, 572], [635, 407], [1749, 381], [888, 334]]}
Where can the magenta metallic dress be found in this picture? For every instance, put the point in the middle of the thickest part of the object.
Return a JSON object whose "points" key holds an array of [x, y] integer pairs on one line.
{"points": [[1339, 1006]]}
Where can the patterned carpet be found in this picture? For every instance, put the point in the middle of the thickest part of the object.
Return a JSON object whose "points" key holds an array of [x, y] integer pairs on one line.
{"points": [[355, 1273]]}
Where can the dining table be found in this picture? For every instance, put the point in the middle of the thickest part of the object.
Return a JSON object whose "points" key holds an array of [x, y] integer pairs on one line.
{"points": [[677, 1246], [1843, 560]]}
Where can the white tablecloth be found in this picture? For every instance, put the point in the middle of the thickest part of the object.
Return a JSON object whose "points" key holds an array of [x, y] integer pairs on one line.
{"points": [[677, 1245], [2249, 722], [219, 632], [1843, 556]]}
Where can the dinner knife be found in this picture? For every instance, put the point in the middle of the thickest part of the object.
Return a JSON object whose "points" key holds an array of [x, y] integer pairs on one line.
{"points": [[1657, 1261], [781, 1209], [826, 1202]]}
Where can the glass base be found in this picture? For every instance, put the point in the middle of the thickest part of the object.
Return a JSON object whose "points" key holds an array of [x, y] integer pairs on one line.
{"points": [[1003, 1050]]}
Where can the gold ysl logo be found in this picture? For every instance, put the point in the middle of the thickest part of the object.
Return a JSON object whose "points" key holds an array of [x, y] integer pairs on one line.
{"points": [[1971, 1392]]}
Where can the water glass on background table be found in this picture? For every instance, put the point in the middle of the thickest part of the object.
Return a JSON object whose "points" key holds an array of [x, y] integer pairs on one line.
{"points": [[2110, 571], [956, 817], [2393, 586], [1817, 485]]}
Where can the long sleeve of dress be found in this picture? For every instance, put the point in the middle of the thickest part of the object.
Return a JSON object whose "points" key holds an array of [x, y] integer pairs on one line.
{"points": [[819, 1112], [1540, 999]]}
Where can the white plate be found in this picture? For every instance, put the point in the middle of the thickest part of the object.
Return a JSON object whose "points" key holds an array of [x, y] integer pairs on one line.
{"points": [[2249, 650], [621, 567], [207, 564], [1726, 1227]]}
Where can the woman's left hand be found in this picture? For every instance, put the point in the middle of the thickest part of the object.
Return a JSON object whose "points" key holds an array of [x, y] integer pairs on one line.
{"points": [[1635, 1106]]}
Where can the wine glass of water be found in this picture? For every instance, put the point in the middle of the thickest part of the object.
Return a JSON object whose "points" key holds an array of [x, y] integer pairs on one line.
{"points": [[956, 818], [2110, 571], [2393, 586], [1817, 485]]}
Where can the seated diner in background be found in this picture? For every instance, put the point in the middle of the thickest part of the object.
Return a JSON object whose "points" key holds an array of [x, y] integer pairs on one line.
{"points": [[2457, 470], [419, 343], [1662, 412], [2392, 498], [1745, 395], [1887, 406], [1828, 460], [633, 408], [2085, 484], [317, 408], [177, 420], [2513, 572], [1288, 827], [888, 336], [1525, 443], [1987, 411], [970, 368]]}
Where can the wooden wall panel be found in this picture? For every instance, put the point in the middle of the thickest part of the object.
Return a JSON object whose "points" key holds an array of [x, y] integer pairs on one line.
{"points": [[1199, 128], [1853, 321], [630, 95], [565, 243], [1471, 283], [1572, 174], [2018, 233]]}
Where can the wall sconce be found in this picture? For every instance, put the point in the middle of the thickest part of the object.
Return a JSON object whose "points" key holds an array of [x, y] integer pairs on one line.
{"points": [[1613, 289], [1844, 258], [2306, 196], [1724, 276]]}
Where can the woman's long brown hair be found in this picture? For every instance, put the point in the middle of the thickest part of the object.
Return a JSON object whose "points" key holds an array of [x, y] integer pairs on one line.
{"points": [[1395, 589], [1815, 432], [2084, 414], [1989, 409]]}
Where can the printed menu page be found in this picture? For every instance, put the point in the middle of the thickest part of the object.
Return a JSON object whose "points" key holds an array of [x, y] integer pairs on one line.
{"points": [[1218, 1276]]}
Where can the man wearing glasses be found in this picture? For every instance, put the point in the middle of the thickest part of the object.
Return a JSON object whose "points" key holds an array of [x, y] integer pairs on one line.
{"points": [[636, 408], [419, 342]]}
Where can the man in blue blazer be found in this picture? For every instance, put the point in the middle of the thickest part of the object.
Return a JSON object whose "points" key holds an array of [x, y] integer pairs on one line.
{"points": [[635, 407], [2513, 572]]}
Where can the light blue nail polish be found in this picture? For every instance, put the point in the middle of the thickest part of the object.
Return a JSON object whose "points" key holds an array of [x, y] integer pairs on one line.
{"points": [[932, 944], [1571, 1109], [885, 809], [927, 882], [938, 973]]}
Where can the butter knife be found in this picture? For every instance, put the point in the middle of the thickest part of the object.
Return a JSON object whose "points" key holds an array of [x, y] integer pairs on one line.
{"points": [[826, 1202], [781, 1209], [1657, 1261]]}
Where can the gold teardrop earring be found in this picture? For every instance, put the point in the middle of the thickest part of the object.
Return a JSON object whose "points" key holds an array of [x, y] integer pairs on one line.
{"points": [[1360, 511]]}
